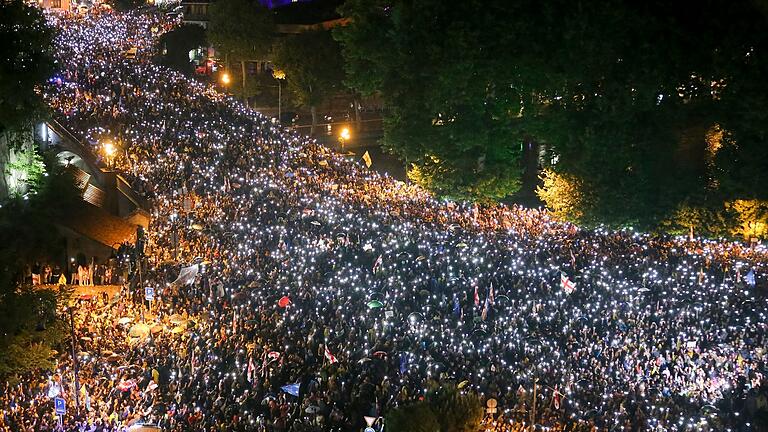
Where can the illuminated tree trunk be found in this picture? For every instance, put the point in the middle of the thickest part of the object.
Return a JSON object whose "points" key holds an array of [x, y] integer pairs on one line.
{"points": [[245, 98], [313, 110]]}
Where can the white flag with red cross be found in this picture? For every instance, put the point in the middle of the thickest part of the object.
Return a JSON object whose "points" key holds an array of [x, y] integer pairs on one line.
{"points": [[567, 284]]}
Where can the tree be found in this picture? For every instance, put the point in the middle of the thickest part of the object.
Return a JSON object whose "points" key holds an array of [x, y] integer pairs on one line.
{"points": [[178, 42], [467, 83], [126, 5], [313, 68], [445, 409], [242, 31], [751, 218], [28, 327], [563, 195], [417, 417], [25, 63], [437, 66]]}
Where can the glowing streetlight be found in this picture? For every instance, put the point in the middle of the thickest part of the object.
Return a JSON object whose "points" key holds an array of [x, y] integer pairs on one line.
{"points": [[279, 75], [344, 136], [225, 78], [109, 149]]}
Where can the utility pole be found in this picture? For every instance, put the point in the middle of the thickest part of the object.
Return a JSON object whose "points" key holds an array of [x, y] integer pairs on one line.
{"points": [[533, 412], [279, 75], [279, 99], [74, 359]]}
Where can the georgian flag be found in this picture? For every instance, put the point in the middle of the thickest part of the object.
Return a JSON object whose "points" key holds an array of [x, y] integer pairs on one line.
{"points": [[566, 283], [331, 358], [477, 297], [491, 296], [378, 262]]}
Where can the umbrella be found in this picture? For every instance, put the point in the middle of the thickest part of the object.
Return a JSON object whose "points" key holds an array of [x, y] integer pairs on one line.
{"points": [[86, 338], [133, 366], [312, 409], [139, 330], [176, 319], [124, 320], [178, 329], [374, 304], [415, 316], [144, 428], [284, 301], [157, 328], [380, 354], [462, 384], [114, 357]]}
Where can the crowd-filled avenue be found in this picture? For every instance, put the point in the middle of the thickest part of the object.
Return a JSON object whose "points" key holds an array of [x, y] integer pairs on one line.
{"points": [[296, 290]]}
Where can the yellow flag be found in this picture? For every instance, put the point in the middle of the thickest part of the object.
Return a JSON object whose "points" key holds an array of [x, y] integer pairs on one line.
{"points": [[367, 159]]}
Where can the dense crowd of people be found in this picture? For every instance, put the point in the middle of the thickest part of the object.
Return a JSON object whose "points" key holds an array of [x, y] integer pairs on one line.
{"points": [[296, 290]]}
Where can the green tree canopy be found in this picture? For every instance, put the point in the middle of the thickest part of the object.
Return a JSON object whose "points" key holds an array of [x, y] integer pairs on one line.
{"points": [[28, 326], [25, 63], [622, 94], [440, 69], [241, 31], [178, 42], [445, 409], [313, 67]]}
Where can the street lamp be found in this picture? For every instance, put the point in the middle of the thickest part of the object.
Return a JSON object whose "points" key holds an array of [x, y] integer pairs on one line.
{"points": [[109, 151], [279, 75], [225, 79], [344, 136], [75, 365]]}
